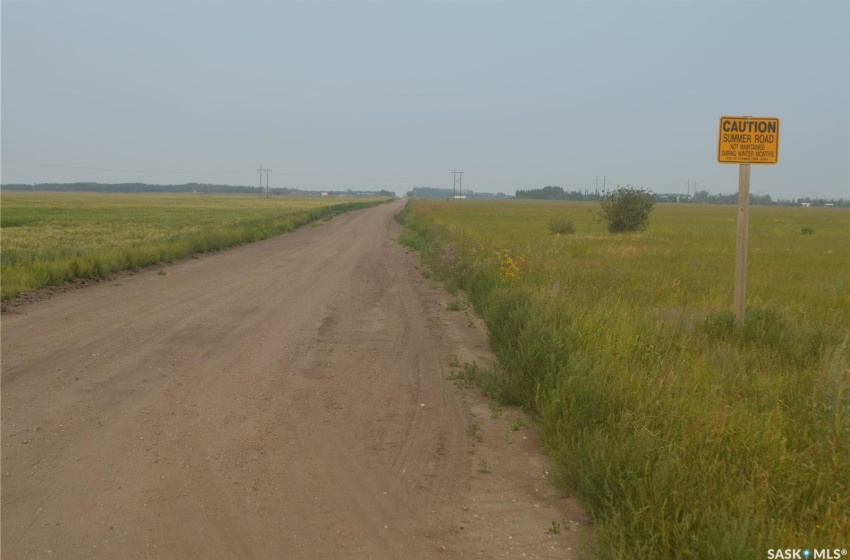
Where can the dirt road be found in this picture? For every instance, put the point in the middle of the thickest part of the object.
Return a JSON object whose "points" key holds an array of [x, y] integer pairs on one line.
{"points": [[286, 399]]}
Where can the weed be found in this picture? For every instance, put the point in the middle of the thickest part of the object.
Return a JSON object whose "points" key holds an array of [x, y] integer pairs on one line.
{"points": [[518, 425], [457, 304], [451, 286], [495, 410], [460, 380], [512, 427], [491, 381], [161, 273], [473, 430], [470, 320], [464, 377], [808, 231], [484, 466], [555, 527], [454, 361]]}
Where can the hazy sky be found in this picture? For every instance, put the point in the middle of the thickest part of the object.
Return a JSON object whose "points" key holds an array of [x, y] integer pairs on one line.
{"points": [[396, 94]]}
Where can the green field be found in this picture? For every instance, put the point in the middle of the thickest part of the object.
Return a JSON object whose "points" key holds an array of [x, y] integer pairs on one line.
{"points": [[50, 238], [685, 435]]}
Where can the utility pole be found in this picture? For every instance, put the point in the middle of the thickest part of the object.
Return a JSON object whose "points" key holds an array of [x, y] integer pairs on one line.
{"points": [[457, 183], [597, 186], [261, 180], [267, 171]]}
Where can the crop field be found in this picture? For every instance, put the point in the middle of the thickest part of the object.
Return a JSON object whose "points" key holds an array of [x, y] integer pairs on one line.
{"points": [[50, 238], [685, 435]]}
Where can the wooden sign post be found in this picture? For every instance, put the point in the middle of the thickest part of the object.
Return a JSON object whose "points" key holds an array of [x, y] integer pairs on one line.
{"points": [[741, 247], [746, 140]]}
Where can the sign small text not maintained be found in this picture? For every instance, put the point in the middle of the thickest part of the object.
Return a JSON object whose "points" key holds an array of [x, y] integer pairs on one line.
{"points": [[748, 140]]}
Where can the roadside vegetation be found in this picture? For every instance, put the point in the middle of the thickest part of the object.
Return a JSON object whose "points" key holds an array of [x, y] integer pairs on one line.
{"points": [[50, 238], [626, 209], [685, 435]]}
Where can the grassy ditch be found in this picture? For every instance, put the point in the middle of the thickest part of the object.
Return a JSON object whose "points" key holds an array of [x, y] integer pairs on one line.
{"points": [[686, 436], [50, 238]]}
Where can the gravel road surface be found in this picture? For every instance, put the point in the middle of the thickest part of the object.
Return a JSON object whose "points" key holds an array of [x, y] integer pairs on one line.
{"points": [[285, 399]]}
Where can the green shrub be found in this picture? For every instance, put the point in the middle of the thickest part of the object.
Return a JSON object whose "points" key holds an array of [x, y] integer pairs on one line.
{"points": [[627, 209]]}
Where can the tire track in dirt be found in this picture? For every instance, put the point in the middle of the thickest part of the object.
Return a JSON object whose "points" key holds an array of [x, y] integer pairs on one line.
{"points": [[286, 399]]}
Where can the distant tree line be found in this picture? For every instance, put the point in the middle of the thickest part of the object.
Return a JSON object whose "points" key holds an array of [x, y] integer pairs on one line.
{"points": [[132, 188], [555, 193], [699, 197], [204, 188], [759, 199], [433, 192]]}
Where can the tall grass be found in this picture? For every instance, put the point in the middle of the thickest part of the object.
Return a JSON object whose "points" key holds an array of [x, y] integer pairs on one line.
{"points": [[50, 238], [685, 435]]}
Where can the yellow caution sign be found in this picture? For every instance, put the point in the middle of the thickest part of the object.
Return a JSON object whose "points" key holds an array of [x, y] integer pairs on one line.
{"points": [[748, 140]]}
